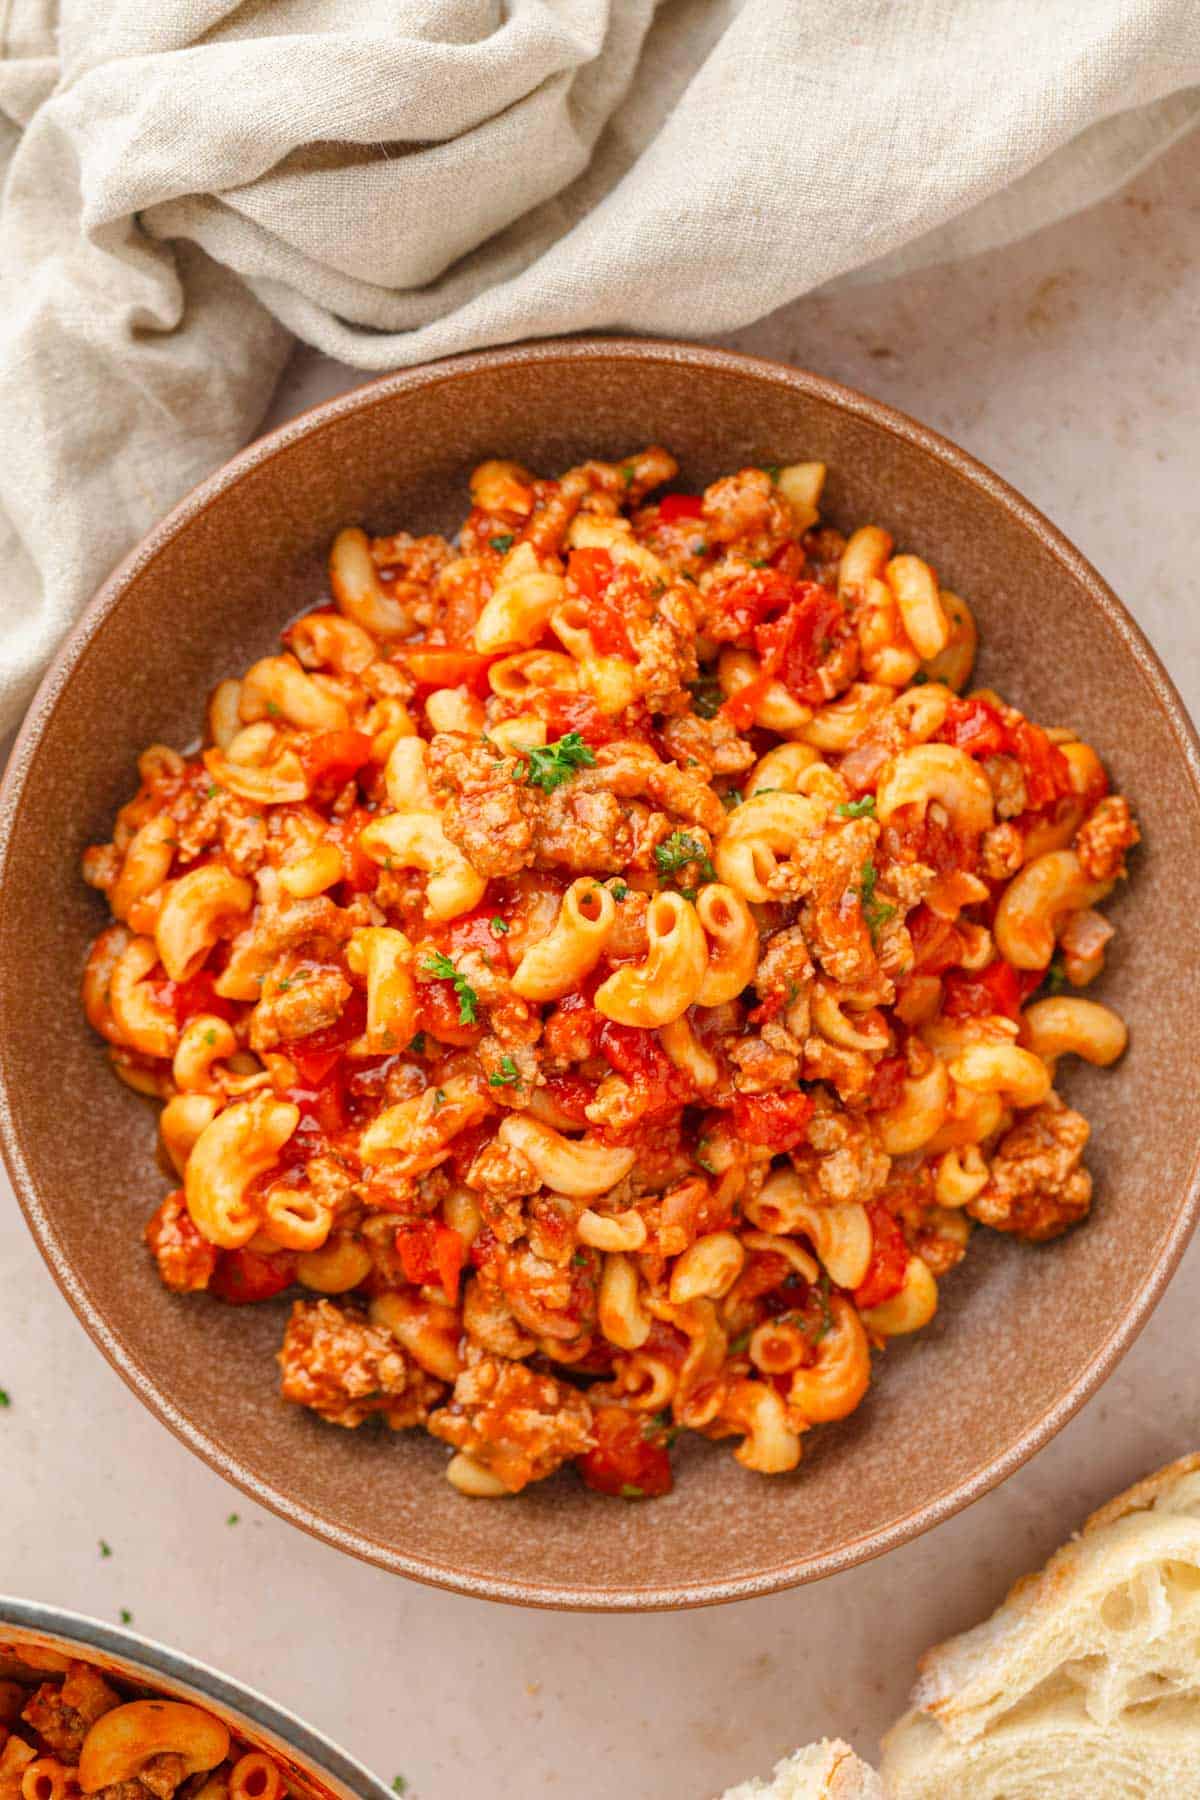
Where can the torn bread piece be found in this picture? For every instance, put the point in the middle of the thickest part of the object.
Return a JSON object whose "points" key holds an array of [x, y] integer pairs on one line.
{"points": [[1085, 1681], [826, 1771]]}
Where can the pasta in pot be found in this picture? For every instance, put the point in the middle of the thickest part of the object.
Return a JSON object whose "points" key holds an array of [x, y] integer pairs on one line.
{"points": [[604, 967], [68, 1727]]}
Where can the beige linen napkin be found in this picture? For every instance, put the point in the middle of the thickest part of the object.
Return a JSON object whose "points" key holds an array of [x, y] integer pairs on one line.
{"points": [[189, 182]]}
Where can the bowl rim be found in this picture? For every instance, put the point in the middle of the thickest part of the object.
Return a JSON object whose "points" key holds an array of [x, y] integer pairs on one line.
{"points": [[160, 1661], [551, 1593]]}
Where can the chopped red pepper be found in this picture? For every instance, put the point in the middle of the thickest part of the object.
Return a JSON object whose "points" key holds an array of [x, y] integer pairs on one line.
{"points": [[624, 1462], [431, 1252], [793, 648], [195, 995], [1046, 770], [779, 1120], [639, 1056], [439, 1013], [242, 1277], [673, 507], [889, 1260]]}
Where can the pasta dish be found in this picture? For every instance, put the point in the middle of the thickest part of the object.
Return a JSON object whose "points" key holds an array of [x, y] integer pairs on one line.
{"points": [[81, 1730], [604, 967]]}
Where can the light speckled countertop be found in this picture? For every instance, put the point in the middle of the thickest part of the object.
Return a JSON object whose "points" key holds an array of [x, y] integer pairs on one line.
{"points": [[1069, 364]]}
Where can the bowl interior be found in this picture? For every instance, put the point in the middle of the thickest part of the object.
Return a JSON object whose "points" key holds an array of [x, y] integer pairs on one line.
{"points": [[315, 1769], [1022, 1334]]}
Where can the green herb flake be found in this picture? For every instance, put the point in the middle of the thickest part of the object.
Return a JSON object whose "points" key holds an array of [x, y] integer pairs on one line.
{"points": [[758, 562], [619, 891], [442, 969], [210, 1036], [273, 709], [508, 1074], [707, 697], [730, 798], [502, 544], [439, 1098], [774, 470], [700, 548], [677, 852], [628, 474], [630, 1492], [498, 927], [858, 809], [876, 913], [105, 1549], [551, 764], [1055, 978], [233, 1519], [418, 1044], [738, 1344], [919, 679], [5, 1398], [580, 1259], [126, 1616], [399, 1784], [211, 791]]}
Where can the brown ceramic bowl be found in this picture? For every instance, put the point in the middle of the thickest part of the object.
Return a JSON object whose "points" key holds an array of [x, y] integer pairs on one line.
{"points": [[1023, 1336], [315, 1768]]}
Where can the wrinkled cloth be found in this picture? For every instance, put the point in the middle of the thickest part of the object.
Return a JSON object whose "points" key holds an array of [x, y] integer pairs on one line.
{"points": [[189, 185]]}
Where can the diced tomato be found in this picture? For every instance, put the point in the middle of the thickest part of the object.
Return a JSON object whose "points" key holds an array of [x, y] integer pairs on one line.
{"points": [[313, 1066], [432, 1252], [466, 1144], [334, 756], [607, 629], [779, 1120], [322, 1103], [889, 1260], [591, 571], [439, 1013], [887, 1083], [1046, 770], [444, 665], [196, 995], [243, 1276], [741, 707], [936, 943], [789, 559], [570, 1095], [624, 1462], [999, 988], [578, 712], [673, 507], [974, 726], [473, 931], [640, 1057], [738, 604], [794, 647]]}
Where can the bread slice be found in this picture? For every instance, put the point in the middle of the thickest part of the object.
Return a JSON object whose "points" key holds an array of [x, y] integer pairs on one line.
{"points": [[825, 1771], [1086, 1681]]}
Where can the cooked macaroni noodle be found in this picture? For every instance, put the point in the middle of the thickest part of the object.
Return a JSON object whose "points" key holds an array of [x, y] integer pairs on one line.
{"points": [[605, 967]]}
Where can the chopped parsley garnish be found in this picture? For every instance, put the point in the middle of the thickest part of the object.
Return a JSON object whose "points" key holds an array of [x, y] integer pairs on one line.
{"points": [[628, 474], [210, 1036], [1055, 978], [707, 697], [399, 1784], [126, 1616], [552, 764], [619, 890], [442, 969], [498, 927], [439, 1098], [580, 1259], [273, 709], [678, 852], [858, 809], [418, 1044], [5, 1399], [700, 548], [233, 1519], [919, 679], [211, 791], [502, 544], [702, 1162], [730, 798], [105, 1549], [774, 470], [876, 913], [630, 1492], [738, 1344], [508, 1074]]}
